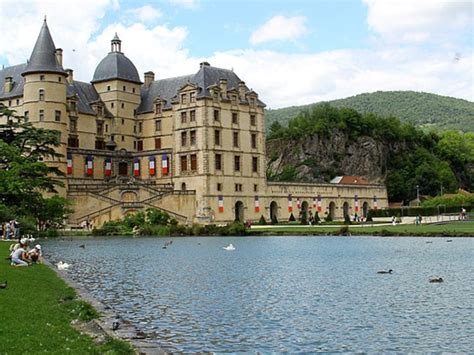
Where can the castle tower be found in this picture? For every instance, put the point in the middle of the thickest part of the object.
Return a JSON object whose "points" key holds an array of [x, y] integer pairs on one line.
{"points": [[44, 93], [117, 82]]}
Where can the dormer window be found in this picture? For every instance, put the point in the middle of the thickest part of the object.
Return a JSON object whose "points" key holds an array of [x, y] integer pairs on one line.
{"points": [[192, 97], [184, 99], [99, 111], [215, 96], [234, 99], [158, 108], [41, 95], [73, 106]]}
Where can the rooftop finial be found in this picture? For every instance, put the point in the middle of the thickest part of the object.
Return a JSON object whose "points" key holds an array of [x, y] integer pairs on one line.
{"points": [[44, 18]]}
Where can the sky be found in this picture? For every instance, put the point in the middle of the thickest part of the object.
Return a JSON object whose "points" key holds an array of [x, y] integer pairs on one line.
{"points": [[290, 52]]}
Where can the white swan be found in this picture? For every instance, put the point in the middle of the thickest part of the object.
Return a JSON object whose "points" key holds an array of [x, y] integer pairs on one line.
{"points": [[230, 247], [62, 266]]}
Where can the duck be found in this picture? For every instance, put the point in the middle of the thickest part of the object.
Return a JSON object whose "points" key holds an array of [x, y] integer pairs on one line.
{"points": [[3, 285], [449, 241], [385, 272], [230, 247], [82, 246], [115, 325], [62, 266], [437, 280]]}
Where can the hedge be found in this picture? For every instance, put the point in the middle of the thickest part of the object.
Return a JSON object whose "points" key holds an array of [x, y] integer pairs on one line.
{"points": [[417, 211]]}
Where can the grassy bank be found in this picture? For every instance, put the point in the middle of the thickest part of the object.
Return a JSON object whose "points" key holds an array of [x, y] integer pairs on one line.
{"points": [[37, 309], [449, 229]]}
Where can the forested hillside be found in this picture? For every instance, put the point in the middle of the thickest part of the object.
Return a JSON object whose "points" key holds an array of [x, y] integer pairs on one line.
{"points": [[325, 141], [422, 109]]}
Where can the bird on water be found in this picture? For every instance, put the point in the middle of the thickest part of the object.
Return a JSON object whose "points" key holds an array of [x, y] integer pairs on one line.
{"points": [[3, 285], [437, 280], [385, 272]]}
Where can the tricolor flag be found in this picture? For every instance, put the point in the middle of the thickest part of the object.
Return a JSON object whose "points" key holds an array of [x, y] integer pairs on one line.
{"points": [[136, 167], [375, 202], [152, 165], [89, 165], [356, 203], [220, 203], [164, 164], [108, 166], [290, 204], [69, 163], [298, 203], [319, 203], [257, 204]]}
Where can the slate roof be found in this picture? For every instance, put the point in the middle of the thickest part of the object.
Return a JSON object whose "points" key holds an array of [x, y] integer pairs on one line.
{"points": [[14, 72], [167, 89], [116, 66], [43, 57], [86, 94]]}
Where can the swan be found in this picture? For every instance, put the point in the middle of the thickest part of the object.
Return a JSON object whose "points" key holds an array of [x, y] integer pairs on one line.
{"points": [[230, 247], [62, 266], [385, 272]]}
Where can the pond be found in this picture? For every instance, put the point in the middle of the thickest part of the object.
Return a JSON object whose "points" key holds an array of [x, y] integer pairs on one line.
{"points": [[283, 294]]}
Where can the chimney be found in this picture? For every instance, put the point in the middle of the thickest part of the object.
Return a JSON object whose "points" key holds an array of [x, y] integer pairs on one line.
{"points": [[70, 75], [149, 78], [8, 85], [242, 90], [59, 56], [204, 64], [223, 86]]}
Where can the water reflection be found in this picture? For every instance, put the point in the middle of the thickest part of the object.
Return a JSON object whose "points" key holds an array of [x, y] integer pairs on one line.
{"points": [[283, 294]]}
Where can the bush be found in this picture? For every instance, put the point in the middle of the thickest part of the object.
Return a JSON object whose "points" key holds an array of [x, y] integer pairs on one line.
{"points": [[274, 220], [292, 218], [347, 219], [112, 228], [415, 211], [154, 230], [317, 220], [262, 221], [328, 218]]}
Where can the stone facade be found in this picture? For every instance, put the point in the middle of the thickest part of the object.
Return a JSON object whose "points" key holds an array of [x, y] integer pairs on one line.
{"points": [[193, 145]]}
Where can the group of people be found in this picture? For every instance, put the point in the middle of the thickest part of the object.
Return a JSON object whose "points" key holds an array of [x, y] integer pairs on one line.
{"points": [[10, 230], [22, 255]]}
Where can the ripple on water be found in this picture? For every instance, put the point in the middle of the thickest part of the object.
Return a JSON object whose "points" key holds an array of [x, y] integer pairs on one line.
{"points": [[283, 294]]}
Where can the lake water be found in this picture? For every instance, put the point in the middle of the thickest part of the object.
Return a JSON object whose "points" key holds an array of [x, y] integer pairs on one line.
{"points": [[284, 294]]}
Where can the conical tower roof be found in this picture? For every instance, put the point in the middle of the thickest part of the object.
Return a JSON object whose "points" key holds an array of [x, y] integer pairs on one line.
{"points": [[43, 57]]}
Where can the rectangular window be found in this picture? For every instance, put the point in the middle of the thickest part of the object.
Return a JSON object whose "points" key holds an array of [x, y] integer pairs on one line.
{"points": [[192, 137], [253, 121], [99, 144], [57, 116], [219, 187], [237, 163], [157, 143], [192, 115], [184, 99], [124, 88], [193, 162], [255, 187], [123, 138], [218, 161], [111, 105], [42, 77], [235, 139], [255, 164], [17, 102], [217, 137], [140, 127], [73, 106], [235, 119], [183, 117], [139, 146], [134, 128], [254, 140], [216, 116], [192, 96], [123, 121], [238, 187], [99, 110], [106, 128], [122, 105], [233, 98], [183, 138], [41, 95], [158, 108], [157, 125], [108, 87], [100, 128], [134, 144], [73, 142], [184, 163], [27, 116], [41, 115]]}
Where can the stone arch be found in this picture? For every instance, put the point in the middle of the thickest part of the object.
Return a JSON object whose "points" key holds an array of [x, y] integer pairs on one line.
{"points": [[345, 210], [273, 211], [365, 209], [332, 210], [123, 168], [239, 211]]}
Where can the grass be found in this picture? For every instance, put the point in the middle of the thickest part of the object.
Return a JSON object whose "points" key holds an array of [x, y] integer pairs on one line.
{"points": [[37, 308], [448, 229]]}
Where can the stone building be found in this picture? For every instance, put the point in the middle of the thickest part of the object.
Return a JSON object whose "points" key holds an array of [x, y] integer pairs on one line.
{"points": [[192, 145]]}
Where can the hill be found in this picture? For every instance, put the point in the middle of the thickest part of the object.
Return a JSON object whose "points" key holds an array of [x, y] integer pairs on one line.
{"points": [[424, 110]]}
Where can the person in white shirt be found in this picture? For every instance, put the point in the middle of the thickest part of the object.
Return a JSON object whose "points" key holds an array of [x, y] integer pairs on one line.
{"points": [[36, 254], [19, 257]]}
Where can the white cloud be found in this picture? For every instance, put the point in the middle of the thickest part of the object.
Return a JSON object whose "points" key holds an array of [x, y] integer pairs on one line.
{"points": [[190, 4], [280, 28], [418, 21], [146, 13]]}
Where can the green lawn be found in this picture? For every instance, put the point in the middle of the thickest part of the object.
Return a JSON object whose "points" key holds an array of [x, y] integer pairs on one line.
{"points": [[36, 310], [455, 228]]}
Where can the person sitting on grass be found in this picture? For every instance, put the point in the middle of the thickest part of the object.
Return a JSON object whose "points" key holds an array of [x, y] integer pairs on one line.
{"points": [[35, 254], [19, 257]]}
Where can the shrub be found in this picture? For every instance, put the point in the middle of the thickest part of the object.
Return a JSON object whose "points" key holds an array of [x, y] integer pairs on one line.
{"points": [[328, 218], [347, 219], [274, 219], [262, 221], [316, 218], [292, 218]]}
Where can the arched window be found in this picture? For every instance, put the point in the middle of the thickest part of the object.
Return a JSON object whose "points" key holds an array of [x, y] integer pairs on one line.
{"points": [[41, 95]]}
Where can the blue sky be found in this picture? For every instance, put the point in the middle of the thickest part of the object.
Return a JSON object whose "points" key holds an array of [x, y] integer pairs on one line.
{"points": [[290, 52]]}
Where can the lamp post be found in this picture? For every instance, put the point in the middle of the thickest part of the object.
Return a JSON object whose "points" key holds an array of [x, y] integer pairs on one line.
{"points": [[418, 194]]}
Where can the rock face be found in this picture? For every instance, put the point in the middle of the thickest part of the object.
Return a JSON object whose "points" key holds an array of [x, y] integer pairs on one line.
{"points": [[318, 159]]}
